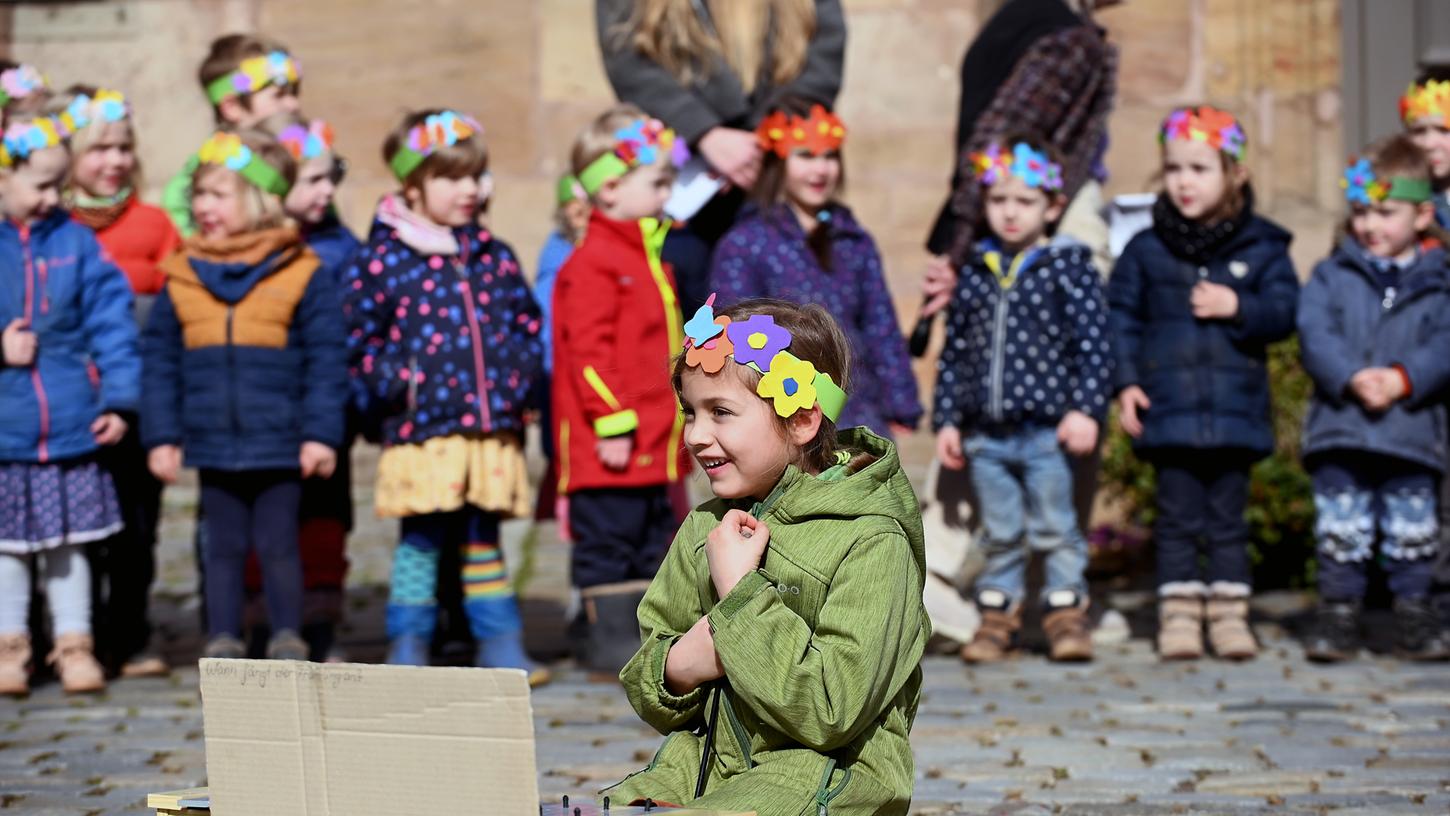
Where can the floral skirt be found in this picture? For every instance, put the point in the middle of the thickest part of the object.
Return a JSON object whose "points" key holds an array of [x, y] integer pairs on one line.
{"points": [[444, 473], [43, 506]]}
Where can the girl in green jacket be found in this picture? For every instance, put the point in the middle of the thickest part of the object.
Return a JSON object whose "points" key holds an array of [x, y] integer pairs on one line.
{"points": [[783, 635]]}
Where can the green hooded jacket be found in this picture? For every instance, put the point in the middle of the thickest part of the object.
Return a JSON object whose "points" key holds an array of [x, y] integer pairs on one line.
{"points": [[821, 647], [176, 197]]}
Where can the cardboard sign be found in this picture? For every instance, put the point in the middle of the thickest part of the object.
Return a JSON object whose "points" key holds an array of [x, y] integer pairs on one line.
{"points": [[286, 737]]}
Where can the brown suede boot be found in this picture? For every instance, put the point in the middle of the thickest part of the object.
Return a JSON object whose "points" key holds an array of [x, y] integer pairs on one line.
{"points": [[1180, 627], [1228, 628], [15, 664], [1000, 622], [1069, 634], [75, 663]]}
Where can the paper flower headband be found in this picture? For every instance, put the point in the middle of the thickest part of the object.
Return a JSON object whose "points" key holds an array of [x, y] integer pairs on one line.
{"points": [[1032, 166], [20, 82], [817, 134], [1423, 101], [307, 141], [1219, 129], [1361, 186], [254, 74], [226, 150], [106, 106], [24, 138], [439, 130], [640, 143], [790, 383], [568, 190]]}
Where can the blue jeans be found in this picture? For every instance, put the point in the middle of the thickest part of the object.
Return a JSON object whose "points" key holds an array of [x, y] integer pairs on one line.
{"points": [[1355, 493], [1023, 482]]}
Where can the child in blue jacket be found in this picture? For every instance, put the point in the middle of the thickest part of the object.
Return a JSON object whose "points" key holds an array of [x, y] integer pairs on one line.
{"points": [[1374, 325], [1196, 300], [69, 377]]}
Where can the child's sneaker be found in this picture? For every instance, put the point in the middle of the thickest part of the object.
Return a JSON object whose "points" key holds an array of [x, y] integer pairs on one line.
{"points": [[1069, 634], [1228, 628], [287, 645], [1180, 627], [1336, 632], [15, 664], [75, 663], [225, 646], [1000, 622], [1420, 636], [146, 663]]}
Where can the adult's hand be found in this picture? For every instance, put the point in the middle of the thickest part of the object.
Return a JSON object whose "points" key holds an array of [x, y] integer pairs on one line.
{"points": [[937, 287], [1131, 401], [733, 153]]}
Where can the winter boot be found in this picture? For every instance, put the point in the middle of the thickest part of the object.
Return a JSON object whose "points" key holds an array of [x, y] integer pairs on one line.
{"points": [[1420, 636], [1180, 627], [609, 629], [75, 663], [1065, 620], [1228, 627], [15, 664], [1336, 632], [1001, 619]]}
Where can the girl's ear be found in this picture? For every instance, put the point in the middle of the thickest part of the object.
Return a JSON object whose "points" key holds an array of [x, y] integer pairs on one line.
{"points": [[232, 110], [1424, 216], [1056, 206], [803, 426], [414, 196], [1240, 175], [607, 195]]}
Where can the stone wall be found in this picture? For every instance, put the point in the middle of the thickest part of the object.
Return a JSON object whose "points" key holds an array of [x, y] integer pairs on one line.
{"points": [[531, 71]]}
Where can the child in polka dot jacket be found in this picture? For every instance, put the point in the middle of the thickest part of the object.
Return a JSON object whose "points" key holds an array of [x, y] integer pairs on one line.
{"points": [[1022, 383], [445, 345]]}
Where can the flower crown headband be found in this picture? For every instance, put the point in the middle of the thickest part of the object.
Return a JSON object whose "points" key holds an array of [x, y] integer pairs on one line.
{"points": [[254, 74], [1429, 100], [439, 130], [105, 106], [1362, 186], [790, 383], [307, 141], [20, 82], [226, 150], [819, 133], [1032, 166], [637, 144], [1219, 129], [24, 138]]}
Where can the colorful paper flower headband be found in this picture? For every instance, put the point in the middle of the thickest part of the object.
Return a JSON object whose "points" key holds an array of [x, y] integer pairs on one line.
{"points": [[790, 383], [226, 150], [638, 144], [439, 130], [254, 74], [24, 138], [1361, 186], [1032, 166], [1219, 129], [819, 133], [1429, 100], [19, 82], [106, 106], [307, 141], [568, 190]]}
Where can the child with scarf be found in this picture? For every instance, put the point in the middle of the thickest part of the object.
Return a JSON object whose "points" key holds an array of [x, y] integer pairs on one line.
{"points": [[444, 340], [1196, 300], [245, 370], [797, 242]]}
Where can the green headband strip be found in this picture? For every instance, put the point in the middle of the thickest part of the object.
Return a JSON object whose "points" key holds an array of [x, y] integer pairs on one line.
{"points": [[404, 162], [1416, 191], [267, 179], [602, 169]]}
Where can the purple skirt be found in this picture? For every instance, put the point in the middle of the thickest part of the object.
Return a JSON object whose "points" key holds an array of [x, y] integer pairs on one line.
{"points": [[48, 505]]}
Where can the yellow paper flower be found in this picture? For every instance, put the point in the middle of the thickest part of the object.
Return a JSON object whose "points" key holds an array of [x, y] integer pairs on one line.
{"points": [[790, 384]]}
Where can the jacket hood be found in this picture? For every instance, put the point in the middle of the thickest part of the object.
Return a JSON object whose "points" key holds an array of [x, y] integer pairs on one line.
{"points": [[230, 267], [876, 489]]}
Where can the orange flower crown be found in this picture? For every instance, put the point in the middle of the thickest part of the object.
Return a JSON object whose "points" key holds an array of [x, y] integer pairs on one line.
{"points": [[817, 134], [1429, 100]]}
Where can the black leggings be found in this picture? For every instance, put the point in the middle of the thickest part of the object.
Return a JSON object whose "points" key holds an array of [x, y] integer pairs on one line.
{"points": [[244, 510]]}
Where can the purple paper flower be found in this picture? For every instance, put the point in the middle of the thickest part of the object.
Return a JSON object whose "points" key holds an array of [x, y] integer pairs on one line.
{"points": [[757, 340]]}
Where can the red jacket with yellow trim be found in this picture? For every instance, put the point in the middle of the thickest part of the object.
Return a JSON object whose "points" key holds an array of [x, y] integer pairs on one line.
{"points": [[617, 327]]}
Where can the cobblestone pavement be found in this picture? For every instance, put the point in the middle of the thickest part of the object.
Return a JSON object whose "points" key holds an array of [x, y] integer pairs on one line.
{"points": [[1123, 735]]}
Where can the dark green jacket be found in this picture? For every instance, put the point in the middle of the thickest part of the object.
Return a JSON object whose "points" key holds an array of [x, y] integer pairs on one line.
{"points": [[821, 646]]}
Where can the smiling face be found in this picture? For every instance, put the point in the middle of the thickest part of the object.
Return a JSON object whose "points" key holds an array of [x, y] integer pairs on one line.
{"points": [[104, 168], [29, 192], [811, 181], [733, 433], [449, 202], [1390, 228], [1432, 135], [218, 203]]}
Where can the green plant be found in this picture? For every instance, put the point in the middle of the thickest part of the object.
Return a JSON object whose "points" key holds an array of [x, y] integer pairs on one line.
{"points": [[1280, 510]]}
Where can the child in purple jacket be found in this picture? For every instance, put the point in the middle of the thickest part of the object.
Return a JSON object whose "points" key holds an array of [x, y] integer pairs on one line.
{"points": [[797, 243]]}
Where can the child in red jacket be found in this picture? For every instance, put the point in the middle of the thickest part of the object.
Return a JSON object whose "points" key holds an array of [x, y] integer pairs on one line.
{"points": [[617, 424]]}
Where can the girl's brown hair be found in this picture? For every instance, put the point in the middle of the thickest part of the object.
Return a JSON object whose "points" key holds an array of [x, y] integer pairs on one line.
{"points": [[264, 209], [1398, 155], [466, 158], [83, 139], [1235, 194], [814, 337], [674, 35]]}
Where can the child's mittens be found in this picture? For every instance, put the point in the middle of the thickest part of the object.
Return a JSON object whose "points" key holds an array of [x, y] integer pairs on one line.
{"points": [[317, 459], [18, 343], [734, 548]]}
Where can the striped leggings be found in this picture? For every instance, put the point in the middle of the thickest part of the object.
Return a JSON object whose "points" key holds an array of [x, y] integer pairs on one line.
{"points": [[488, 599]]}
